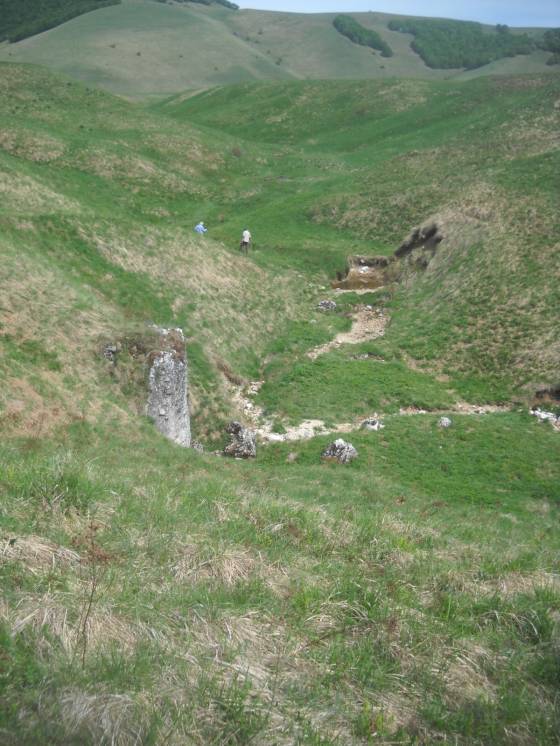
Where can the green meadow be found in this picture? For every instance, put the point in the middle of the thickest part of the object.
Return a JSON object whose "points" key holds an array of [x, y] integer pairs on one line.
{"points": [[156, 595]]}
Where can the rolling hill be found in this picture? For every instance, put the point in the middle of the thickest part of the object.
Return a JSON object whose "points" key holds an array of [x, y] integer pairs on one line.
{"points": [[24, 18], [142, 48], [155, 594]]}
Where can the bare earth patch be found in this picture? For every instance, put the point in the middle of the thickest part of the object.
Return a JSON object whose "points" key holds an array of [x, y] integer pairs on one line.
{"points": [[367, 324]]}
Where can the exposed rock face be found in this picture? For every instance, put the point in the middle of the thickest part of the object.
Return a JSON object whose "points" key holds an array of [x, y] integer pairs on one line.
{"points": [[415, 252], [427, 236], [340, 451], [243, 441], [168, 388], [444, 422]]}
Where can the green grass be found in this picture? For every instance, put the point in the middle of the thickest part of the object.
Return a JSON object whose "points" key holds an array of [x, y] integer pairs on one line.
{"points": [[150, 593], [459, 317], [143, 49], [338, 389], [304, 565]]}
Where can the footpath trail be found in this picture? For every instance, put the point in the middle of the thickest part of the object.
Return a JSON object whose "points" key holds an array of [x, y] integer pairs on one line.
{"points": [[368, 323]]}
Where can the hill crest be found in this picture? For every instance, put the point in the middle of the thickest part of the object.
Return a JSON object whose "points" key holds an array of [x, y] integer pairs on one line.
{"points": [[143, 48]]}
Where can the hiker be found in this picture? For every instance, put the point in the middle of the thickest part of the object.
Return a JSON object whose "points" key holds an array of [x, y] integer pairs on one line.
{"points": [[200, 228], [245, 241]]}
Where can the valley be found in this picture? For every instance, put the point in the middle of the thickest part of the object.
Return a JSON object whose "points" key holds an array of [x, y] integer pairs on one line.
{"points": [[158, 594]]}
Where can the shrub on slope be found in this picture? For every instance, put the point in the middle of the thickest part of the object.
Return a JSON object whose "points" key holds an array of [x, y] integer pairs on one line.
{"points": [[551, 42], [349, 27]]}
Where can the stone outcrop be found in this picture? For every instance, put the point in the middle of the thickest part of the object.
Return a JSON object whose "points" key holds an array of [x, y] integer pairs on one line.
{"points": [[426, 237], [340, 451], [168, 387], [242, 443], [369, 273]]}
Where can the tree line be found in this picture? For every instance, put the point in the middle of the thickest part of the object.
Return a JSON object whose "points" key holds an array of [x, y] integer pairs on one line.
{"points": [[22, 18], [551, 43], [453, 44], [225, 3], [349, 27]]}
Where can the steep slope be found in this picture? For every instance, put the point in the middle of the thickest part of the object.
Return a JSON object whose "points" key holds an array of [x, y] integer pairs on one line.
{"points": [[142, 47], [153, 594], [98, 205], [481, 159]]}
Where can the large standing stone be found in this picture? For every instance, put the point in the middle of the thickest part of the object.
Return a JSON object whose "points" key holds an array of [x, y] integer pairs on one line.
{"points": [[243, 441], [168, 388], [340, 451]]}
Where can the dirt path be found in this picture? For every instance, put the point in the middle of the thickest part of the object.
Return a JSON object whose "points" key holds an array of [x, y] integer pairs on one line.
{"points": [[264, 427], [368, 323]]}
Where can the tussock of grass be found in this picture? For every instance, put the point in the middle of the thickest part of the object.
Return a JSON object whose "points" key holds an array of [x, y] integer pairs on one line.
{"points": [[302, 588]]}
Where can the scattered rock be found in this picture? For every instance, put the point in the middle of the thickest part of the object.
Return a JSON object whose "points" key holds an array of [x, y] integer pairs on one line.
{"points": [[196, 446], [327, 305], [372, 424], [292, 457], [340, 451], [243, 441], [368, 356], [544, 416], [444, 422]]}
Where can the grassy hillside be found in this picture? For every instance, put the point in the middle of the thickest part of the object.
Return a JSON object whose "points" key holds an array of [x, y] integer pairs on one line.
{"points": [[141, 48], [99, 202], [151, 594], [22, 18], [394, 155]]}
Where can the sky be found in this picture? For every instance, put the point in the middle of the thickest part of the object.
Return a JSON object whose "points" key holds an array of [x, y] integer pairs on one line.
{"points": [[511, 12]]}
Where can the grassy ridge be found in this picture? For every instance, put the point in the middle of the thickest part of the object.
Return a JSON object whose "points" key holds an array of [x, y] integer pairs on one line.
{"points": [[142, 48], [98, 208]]}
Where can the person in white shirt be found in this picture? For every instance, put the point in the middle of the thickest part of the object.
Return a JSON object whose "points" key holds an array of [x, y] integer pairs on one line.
{"points": [[245, 241]]}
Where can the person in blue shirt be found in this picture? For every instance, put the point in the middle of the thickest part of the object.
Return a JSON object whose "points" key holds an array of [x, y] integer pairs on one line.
{"points": [[200, 228]]}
